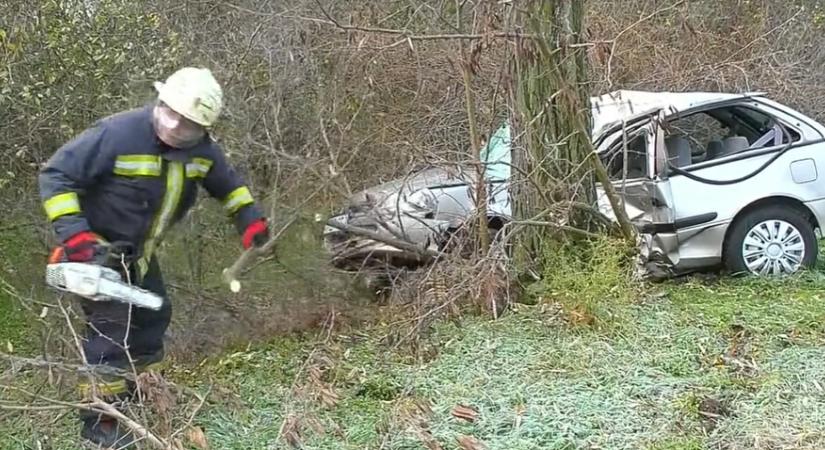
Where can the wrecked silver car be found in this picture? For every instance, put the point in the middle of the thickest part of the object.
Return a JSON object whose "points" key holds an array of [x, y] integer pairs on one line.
{"points": [[708, 179]]}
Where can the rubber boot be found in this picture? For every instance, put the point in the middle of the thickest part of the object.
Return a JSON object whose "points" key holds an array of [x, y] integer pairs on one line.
{"points": [[106, 433]]}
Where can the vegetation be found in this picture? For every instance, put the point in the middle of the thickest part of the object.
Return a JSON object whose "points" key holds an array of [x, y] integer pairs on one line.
{"points": [[703, 363], [325, 98], [551, 110]]}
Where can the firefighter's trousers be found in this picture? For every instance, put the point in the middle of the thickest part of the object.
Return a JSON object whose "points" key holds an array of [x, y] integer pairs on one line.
{"points": [[124, 337]]}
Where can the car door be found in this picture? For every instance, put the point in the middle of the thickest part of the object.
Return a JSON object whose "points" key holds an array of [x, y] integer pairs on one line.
{"points": [[641, 178], [738, 159], [646, 194]]}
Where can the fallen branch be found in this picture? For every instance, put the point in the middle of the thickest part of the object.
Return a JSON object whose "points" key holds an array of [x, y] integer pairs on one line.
{"points": [[595, 213], [567, 228], [230, 275], [628, 231], [397, 243], [140, 430], [202, 401], [97, 406], [87, 370], [69, 368], [17, 407]]}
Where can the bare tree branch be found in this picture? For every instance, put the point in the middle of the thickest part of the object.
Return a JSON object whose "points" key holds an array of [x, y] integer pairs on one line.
{"points": [[630, 27], [426, 254]]}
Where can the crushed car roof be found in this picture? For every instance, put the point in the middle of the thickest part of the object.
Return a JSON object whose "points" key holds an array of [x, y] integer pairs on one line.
{"points": [[612, 107]]}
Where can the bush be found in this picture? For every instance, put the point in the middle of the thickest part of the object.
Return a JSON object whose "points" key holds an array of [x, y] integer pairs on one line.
{"points": [[586, 277], [67, 63]]}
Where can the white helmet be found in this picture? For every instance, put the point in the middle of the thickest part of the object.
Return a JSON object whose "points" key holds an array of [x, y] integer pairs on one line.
{"points": [[193, 93]]}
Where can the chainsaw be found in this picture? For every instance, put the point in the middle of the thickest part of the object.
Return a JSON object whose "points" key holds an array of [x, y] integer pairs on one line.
{"points": [[96, 280]]}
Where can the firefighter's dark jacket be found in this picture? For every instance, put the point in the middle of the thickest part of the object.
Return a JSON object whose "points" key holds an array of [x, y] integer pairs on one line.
{"points": [[120, 181]]}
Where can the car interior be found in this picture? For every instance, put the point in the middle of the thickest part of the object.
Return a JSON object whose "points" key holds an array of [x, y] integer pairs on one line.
{"points": [[722, 132], [701, 136], [636, 158]]}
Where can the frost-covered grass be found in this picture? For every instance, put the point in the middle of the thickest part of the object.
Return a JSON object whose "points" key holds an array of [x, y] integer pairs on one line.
{"points": [[597, 362], [698, 363]]}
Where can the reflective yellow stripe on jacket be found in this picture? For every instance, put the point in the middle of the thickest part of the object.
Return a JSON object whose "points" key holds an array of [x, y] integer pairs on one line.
{"points": [[237, 199], [138, 165], [198, 168], [61, 205], [171, 200]]}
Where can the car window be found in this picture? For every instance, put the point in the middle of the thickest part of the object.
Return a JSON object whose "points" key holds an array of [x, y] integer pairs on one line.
{"points": [[614, 158], [761, 129], [721, 132], [693, 132]]}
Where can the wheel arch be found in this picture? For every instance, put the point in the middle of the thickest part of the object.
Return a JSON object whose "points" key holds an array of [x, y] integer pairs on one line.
{"points": [[776, 200]]}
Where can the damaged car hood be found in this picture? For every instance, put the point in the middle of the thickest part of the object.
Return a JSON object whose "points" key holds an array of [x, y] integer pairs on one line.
{"points": [[429, 178]]}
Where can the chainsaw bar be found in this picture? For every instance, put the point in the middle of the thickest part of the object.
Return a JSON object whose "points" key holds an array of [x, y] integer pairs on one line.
{"points": [[99, 283]]}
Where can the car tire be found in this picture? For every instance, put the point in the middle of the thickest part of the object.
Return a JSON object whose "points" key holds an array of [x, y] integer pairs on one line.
{"points": [[776, 238]]}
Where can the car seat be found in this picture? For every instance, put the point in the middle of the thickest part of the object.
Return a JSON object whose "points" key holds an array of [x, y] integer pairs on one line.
{"points": [[714, 149], [726, 147], [734, 144], [678, 151]]}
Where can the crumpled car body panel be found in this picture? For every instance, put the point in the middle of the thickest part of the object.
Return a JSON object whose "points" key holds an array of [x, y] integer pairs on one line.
{"points": [[421, 209], [682, 222]]}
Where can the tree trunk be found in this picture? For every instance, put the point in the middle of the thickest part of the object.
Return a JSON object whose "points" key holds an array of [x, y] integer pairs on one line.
{"points": [[482, 234], [551, 121]]}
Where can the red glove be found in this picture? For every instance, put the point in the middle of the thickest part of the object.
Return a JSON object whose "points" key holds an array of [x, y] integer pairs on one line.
{"points": [[81, 246], [256, 233]]}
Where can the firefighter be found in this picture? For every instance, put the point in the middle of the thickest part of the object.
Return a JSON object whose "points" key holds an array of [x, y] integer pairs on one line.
{"points": [[128, 179]]}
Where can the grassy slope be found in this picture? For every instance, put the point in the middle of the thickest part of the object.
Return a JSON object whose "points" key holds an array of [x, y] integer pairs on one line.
{"points": [[539, 383], [22, 256], [735, 364]]}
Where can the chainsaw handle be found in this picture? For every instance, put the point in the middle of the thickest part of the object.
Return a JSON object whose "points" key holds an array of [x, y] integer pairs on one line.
{"points": [[114, 254], [105, 254]]}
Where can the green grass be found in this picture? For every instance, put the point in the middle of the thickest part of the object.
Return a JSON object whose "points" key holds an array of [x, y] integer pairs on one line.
{"points": [[541, 382], [598, 362], [21, 261]]}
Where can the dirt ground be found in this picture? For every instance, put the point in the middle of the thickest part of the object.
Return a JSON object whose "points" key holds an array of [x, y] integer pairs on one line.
{"points": [[208, 323]]}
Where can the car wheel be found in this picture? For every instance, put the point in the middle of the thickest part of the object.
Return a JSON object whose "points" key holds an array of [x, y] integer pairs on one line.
{"points": [[771, 241]]}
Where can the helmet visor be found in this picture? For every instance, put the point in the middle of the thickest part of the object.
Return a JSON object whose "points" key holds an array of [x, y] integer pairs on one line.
{"points": [[174, 129]]}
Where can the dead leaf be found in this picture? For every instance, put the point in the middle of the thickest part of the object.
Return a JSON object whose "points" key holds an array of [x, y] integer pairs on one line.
{"points": [[422, 406], [316, 426], [329, 398], [520, 410], [158, 396], [324, 391], [315, 373], [292, 431], [197, 438], [465, 413], [470, 443]]}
